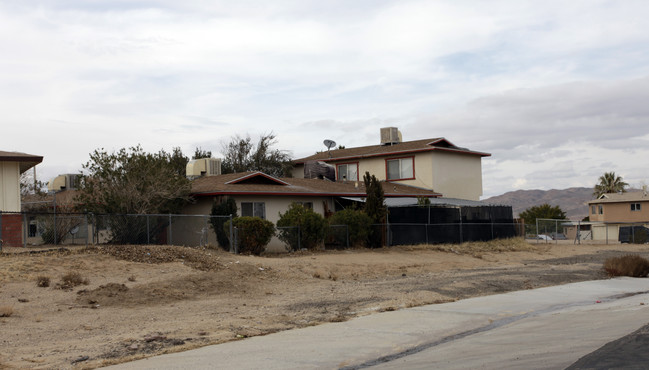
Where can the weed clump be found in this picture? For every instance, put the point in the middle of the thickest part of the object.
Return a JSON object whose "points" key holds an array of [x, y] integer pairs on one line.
{"points": [[71, 280], [628, 265], [6, 311], [42, 281]]}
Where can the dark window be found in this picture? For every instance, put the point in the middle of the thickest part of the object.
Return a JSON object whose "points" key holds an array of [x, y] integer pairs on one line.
{"points": [[253, 209], [400, 168], [635, 206], [348, 171]]}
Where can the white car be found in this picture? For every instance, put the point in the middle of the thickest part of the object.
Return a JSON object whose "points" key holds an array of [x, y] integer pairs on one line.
{"points": [[543, 237]]}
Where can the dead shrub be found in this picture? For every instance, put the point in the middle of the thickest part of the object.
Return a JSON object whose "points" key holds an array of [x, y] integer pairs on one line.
{"points": [[628, 265], [71, 280], [6, 311], [42, 281]]}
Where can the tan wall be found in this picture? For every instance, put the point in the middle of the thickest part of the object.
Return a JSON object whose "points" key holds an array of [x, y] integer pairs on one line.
{"points": [[621, 212], [457, 176], [298, 171], [9, 187], [273, 204]]}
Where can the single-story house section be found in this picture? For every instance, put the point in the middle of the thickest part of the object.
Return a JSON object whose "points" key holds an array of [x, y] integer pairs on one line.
{"points": [[259, 194], [12, 165]]}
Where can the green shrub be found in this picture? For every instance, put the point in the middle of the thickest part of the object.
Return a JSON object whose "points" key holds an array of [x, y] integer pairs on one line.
{"points": [[628, 265], [224, 208], [359, 225], [301, 227], [253, 233]]}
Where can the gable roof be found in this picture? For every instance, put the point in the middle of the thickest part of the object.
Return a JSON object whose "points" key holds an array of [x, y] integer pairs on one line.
{"points": [[245, 184], [633, 196], [406, 147], [26, 161]]}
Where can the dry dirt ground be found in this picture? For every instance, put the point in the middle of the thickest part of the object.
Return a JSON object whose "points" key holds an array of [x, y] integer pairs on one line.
{"points": [[137, 301]]}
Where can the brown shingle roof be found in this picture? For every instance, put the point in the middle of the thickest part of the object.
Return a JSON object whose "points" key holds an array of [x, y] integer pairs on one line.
{"points": [[219, 185], [26, 161], [633, 196], [423, 145]]}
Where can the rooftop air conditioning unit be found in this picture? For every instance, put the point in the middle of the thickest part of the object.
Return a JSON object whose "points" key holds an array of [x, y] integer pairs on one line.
{"points": [[390, 135], [203, 167]]}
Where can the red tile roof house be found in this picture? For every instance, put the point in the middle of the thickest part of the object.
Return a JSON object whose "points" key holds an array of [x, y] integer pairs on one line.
{"points": [[12, 165], [434, 164], [259, 194]]}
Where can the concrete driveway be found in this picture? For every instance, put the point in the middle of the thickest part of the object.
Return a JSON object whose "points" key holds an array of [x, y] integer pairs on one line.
{"points": [[547, 328]]}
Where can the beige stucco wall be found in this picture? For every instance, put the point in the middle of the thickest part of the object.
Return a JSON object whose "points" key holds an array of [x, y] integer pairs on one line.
{"points": [[621, 212], [457, 176], [273, 204], [9, 187]]}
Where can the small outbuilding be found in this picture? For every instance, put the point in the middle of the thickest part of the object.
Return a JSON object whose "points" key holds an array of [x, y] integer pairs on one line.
{"points": [[12, 165]]}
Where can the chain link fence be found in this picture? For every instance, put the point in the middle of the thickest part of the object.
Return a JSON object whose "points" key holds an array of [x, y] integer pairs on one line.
{"points": [[20, 229], [48, 228]]}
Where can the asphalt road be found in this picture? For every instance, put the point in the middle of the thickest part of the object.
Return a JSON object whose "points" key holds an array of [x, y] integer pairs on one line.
{"points": [[547, 328]]}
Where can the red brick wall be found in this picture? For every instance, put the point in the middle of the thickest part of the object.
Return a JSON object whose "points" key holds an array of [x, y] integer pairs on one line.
{"points": [[12, 230]]}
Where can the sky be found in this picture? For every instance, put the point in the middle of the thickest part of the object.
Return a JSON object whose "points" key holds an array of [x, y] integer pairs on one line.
{"points": [[556, 91]]}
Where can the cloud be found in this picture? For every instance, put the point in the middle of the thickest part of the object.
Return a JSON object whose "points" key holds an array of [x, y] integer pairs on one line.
{"points": [[534, 83]]}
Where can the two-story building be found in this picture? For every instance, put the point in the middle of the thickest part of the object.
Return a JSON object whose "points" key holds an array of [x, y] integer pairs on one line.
{"points": [[435, 164], [615, 210]]}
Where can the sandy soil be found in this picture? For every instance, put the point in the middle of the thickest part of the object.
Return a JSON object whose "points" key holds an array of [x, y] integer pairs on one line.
{"points": [[144, 300]]}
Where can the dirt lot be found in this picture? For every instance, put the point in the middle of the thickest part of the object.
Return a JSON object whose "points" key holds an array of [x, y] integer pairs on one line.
{"points": [[136, 301]]}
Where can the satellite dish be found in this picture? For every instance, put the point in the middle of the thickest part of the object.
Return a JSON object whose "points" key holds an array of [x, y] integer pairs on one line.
{"points": [[329, 143]]}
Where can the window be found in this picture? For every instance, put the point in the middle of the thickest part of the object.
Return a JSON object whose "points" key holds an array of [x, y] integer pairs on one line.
{"points": [[593, 210], [347, 171], [600, 209], [253, 209], [307, 205], [635, 206], [400, 168]]}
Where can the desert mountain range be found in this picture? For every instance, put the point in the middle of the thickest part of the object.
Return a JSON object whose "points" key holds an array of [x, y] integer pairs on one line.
{"points": [[571, 200]]}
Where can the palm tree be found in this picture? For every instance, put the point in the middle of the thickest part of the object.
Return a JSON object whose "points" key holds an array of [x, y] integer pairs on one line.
{"points": [[609, 183]]}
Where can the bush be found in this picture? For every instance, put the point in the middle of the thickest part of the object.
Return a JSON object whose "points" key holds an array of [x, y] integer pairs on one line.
{"points": [[302, 227], [628, 265], [224, 208], [72, 279], [359, 225], [253, 233], [43, 281]]}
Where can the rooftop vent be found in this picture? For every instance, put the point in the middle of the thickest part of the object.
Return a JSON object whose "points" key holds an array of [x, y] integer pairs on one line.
{"points": [[390, 136], [203, 167]]}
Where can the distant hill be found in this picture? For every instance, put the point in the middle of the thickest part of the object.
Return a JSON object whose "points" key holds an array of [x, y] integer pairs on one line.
{"points": [[572, 200]]}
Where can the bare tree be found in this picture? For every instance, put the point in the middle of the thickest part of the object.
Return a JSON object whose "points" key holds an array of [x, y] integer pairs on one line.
{"points": [[241, 155]]}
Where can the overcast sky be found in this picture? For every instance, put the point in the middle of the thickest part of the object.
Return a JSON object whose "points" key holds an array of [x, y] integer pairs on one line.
{"points": [[557, 91]]}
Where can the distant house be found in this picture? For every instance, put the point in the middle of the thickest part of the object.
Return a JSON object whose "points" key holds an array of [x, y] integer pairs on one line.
{"points": [[617, 209], [12, 165], [624, 207], [435, 164], [259, 194]]}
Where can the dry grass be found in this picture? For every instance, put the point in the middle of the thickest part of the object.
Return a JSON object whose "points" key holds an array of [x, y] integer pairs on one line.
{"points": [[71, 280], [475, 248], [628, 265], [6, 311], [42, 281]]}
